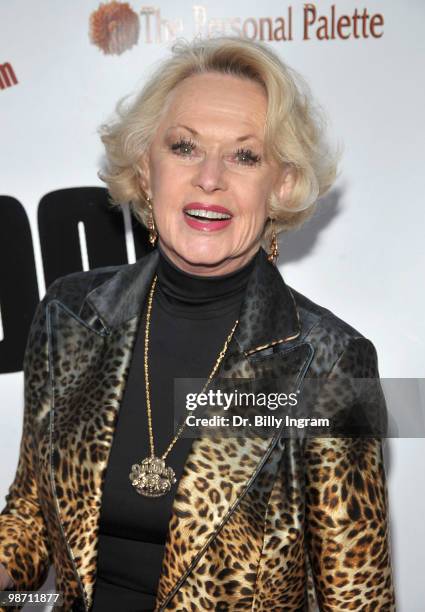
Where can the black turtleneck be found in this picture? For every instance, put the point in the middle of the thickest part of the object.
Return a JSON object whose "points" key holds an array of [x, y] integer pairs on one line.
{"points": [[190, 321]]}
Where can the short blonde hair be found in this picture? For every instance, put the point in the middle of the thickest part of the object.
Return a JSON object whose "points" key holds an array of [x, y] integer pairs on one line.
{"points": [[294, 130]]}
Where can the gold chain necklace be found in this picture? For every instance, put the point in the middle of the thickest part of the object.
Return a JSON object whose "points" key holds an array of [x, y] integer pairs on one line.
{"points": [[151, 477]]}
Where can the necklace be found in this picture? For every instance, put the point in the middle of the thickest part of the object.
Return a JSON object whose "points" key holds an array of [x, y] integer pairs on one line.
{"points": [[152, 477]]}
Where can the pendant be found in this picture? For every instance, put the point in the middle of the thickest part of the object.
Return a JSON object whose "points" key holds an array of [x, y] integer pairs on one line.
{"points": [[151, 477]]}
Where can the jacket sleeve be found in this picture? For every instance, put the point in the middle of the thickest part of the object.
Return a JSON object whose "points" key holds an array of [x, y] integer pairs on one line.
{"points": [[24, 549], [347, 528]]}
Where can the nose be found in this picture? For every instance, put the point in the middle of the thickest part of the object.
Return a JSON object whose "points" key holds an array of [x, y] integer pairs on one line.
{"points": [[210, 174]]}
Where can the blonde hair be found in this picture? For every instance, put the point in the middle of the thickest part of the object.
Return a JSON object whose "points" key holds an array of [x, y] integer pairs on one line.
{"points": [[294, 130]]}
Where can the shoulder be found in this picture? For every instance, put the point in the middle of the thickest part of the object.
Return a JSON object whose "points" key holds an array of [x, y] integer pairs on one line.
{"points": [[335, 342], [72, 289], [81, 282], [314, 317]]}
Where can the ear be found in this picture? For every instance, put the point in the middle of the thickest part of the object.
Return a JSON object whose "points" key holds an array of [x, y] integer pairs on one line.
{"points": [[144, 173], [285, 183]]}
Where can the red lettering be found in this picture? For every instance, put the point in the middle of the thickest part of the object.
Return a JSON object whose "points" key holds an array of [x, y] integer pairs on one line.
{"points": [[7, 76], [246, 23], [364, 18], [343, 22], [330, 26], [309, 18], [377, 20]]}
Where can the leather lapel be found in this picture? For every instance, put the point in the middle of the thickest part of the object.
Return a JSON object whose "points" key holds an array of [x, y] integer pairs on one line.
{"points": [[268, 314]]}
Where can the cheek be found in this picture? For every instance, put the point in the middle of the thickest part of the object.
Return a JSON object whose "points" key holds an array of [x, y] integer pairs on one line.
{"points": [[168, 188], [163, 175], [253, 197]]}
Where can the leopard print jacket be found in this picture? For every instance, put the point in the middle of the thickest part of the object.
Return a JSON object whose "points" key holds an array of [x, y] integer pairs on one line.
{"points": [[258, 523]]}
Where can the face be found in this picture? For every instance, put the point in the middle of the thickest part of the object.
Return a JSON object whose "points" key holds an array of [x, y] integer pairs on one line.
{"points": [[208, 176]]}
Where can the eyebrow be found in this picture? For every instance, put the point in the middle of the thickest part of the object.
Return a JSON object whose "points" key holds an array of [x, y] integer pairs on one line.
{"points": [[195, 133]]}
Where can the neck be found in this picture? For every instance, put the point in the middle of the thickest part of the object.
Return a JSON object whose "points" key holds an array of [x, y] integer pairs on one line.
{"points": [[185, 292]]}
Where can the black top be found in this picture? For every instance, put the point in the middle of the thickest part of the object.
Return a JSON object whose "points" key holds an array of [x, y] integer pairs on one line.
{"points": [[191, 319]]}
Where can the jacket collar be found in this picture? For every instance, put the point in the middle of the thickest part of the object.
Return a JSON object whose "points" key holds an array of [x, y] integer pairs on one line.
{"points": [[121, 298], [272, 325]]}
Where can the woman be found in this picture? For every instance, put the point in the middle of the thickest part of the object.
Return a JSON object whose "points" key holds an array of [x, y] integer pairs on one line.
{"points": [[220, 152]]}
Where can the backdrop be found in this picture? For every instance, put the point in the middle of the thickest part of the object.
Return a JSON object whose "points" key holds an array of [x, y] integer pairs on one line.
{"points": [[64, 65]]}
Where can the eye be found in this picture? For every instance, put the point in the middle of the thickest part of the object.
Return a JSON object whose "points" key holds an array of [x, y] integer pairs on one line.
{"points": [[183, 147], [247, 157]]}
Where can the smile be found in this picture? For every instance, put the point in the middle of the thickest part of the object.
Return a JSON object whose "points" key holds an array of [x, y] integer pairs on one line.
{"points": [[206, 217], [206, 214]]}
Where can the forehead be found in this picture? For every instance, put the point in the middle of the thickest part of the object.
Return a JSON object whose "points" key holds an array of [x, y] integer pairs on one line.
{"points": [[220, 102]]}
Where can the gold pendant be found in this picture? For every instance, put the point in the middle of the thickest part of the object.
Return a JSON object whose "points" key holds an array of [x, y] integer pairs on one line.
{"points": [[151, 477]]}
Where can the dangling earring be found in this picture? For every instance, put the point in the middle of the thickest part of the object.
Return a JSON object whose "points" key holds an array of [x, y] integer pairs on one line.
{"points": [[273, 249], [153, 234]]}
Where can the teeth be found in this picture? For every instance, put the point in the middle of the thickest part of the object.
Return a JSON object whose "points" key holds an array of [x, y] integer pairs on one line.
{"points": [[207, 214]]}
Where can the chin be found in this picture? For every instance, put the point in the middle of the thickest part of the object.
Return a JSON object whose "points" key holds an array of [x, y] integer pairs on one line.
{"points": [[201, 257], [195, 255]]}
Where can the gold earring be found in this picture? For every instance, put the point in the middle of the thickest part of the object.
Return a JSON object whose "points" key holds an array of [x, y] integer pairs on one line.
{"points": [[153, 234], [273, 249]]}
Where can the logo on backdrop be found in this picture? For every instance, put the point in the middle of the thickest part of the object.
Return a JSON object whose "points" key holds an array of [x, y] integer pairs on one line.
{"points": [[116, 27], [7, 76]]}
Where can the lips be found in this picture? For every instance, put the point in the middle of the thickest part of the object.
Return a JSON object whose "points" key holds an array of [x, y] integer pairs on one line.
{"points": [[206, 217]]}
